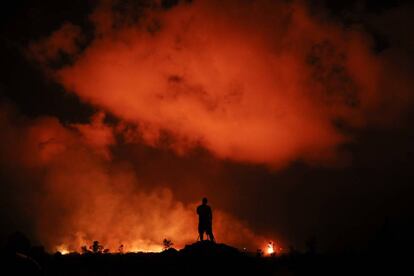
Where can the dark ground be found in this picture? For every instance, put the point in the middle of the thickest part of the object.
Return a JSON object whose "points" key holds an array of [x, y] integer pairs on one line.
{"points": [[204, 258]]}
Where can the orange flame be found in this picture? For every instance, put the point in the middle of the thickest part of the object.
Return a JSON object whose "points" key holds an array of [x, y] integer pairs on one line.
{"points": [[63, 249], [270, 249]]}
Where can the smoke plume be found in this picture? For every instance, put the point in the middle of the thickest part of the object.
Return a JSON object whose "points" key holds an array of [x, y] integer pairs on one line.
{"points": [[253, 81], [78, 194], [257, 82]]}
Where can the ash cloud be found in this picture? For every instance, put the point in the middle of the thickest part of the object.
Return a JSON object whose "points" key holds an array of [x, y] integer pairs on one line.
{"points": [[73, 192], [253, 82], [258, 81]]}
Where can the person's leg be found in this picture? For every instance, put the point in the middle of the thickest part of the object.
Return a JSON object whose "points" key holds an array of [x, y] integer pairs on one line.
{"points": [[210, 234], [201, 233]]}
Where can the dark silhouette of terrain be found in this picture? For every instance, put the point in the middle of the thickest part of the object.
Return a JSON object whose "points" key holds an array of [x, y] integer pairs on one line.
{"points": [[209, 249], [19, 257]]}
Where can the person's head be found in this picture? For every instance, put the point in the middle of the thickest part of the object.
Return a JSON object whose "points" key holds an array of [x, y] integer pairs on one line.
{"points": [[204, 200]]}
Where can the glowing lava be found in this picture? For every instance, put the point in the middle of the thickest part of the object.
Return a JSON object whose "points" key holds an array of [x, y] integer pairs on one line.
{"points": [[62, 249], [270, 249]]}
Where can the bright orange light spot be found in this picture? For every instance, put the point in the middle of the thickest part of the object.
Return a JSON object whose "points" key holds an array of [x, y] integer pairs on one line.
{"points": [[148, 248], [62, 249], [270, 249]]}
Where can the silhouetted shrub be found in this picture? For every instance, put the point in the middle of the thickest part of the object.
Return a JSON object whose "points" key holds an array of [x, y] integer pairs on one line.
{"points": [[96, 247], [85, 250], [167, 244]]}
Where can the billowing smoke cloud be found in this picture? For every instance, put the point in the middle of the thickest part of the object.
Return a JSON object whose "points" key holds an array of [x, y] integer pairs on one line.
{"points": [[261, 82], [255, 81], [78, 194]]}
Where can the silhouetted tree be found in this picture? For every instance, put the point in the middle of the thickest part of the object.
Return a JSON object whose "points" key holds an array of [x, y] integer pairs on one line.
{"points": [[167, 244], [259, 253], [96, 247], [121, 249], [85, 250]]}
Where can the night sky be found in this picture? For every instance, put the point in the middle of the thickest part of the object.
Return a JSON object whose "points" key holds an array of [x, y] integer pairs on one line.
{"points": [[293, 118]]}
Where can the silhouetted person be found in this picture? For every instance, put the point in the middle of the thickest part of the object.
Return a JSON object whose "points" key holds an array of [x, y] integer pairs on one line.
{"points": [[205, 221]]}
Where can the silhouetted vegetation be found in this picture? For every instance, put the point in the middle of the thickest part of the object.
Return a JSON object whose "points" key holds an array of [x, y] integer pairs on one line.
{"points": [[95, 248], [384, 255], [85, 250], [167, 244]]}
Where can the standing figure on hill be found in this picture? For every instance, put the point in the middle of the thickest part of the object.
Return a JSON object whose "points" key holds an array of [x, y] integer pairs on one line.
{"points": [[205, 221]]}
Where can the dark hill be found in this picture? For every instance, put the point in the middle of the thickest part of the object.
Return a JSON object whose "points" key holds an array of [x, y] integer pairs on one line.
{"points": [[207, 248]]}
